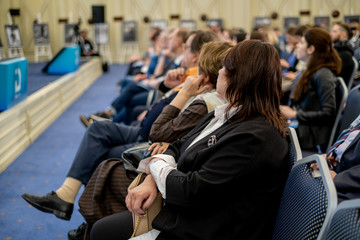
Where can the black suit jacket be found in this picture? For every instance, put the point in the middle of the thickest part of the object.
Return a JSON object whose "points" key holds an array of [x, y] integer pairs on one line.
{"points": [[230, 189], [347, 181]]}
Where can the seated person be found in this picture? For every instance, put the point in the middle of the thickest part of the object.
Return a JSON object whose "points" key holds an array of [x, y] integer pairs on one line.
{"points": [[312, 99], [173, 123], [238, 146], [288, 57], [134, 94], [86, 46], [344, 159], [139, 64], [340, 34], [97, 142]]}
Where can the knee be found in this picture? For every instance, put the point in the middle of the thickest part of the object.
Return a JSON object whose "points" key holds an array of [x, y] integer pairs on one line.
{"points": [[95, 233], [98, 129]]}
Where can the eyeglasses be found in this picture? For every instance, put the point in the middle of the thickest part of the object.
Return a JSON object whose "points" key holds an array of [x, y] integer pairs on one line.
{"points": [[186, 47]]}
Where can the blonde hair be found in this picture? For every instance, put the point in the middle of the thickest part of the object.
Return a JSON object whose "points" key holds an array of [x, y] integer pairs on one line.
{"points": [[210, 58], [270, 35]]}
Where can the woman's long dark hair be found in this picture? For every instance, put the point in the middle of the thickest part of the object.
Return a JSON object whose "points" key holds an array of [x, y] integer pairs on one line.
{"points": [[254, 81], [324, 56]]}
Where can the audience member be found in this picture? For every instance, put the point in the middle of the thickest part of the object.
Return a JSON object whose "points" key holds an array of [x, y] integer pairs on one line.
{"points": [[355, 40], [255, 35], [313, 100], [135, 94], [139, 67], [241, 140], [340, 34], [173, 123], [288, 57], [290, 75], [344, 157], [281, 38], [271, 37], [101, 137]]}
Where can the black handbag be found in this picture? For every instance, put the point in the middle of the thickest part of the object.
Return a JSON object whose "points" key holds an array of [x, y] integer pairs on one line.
{"points": [[134, 155]]}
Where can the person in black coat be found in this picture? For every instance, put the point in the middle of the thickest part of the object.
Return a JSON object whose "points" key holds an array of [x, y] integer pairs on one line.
{"points": [[344, 157], [340, 34], [224, 179]]}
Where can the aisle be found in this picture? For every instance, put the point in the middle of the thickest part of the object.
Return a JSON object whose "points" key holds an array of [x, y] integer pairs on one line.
{"points": [[43, 166]]}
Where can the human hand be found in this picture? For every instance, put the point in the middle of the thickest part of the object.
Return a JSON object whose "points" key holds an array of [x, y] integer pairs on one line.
{"points": [[331, 159], [139, 77], [141, 197], [284, 63], [290, 75], [288, 112], [174, 77], [158, 148], [167, 52], [194, 86], [332, 174], [141, 116]]}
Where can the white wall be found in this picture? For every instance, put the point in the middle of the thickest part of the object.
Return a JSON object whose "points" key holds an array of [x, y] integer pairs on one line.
{"points": [[235, 13]]}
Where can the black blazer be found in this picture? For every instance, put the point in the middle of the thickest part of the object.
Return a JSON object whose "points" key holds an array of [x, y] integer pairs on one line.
{"points": [[227, 190], [347, 181]]}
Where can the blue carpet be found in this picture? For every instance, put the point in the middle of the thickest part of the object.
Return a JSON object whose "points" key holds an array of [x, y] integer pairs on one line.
{"points": [[37, 79], [43, 166]]}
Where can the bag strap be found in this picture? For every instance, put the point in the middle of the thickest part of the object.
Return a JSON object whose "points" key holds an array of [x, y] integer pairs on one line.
{"points": [[137, 221]]}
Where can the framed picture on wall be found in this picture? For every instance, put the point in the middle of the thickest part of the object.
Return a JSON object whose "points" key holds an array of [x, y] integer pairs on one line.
{"points": [[190, 24], [290, 21], [352, 18], [322, 21], [13, 36], [261, 22], [101, 32], [215, 22], [41, 33], [71, 30], [129, 31], [160, 23]]}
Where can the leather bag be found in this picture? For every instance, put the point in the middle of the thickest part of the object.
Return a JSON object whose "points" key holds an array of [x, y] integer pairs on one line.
{"points": [[134, 155], [143, 224]]}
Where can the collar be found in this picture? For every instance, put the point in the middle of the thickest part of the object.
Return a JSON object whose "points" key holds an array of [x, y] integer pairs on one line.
{"points": [[178, 60], [220, 114]]}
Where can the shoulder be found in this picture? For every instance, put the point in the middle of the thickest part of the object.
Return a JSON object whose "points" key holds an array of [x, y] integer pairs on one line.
{"points": [[211, 100], [324, 74], [257, 127]]}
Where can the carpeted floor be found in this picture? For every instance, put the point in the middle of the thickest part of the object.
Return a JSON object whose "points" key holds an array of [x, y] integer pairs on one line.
{"points": [[43, 167], [37, 79]]}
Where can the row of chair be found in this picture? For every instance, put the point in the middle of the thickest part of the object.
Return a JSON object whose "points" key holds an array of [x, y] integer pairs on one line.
{"points": [[308, 209], [348, 108]]}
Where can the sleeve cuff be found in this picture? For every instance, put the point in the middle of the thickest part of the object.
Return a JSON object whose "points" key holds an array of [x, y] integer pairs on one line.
{"points": [[159, 171]]}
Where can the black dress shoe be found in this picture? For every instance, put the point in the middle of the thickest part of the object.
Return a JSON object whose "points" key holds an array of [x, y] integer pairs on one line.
{"points": [[50, 203], [77, 234]]}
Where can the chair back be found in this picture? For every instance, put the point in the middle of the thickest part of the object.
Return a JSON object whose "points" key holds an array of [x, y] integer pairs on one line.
{"points": [[294, 147], [308, 199], [352, 109], [341, 97], [356, 65], [344, 223]]}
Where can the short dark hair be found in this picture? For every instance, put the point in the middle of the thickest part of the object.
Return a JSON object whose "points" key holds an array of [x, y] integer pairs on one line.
{"points": [[200, 38], [300, 30], [345, 27]]}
